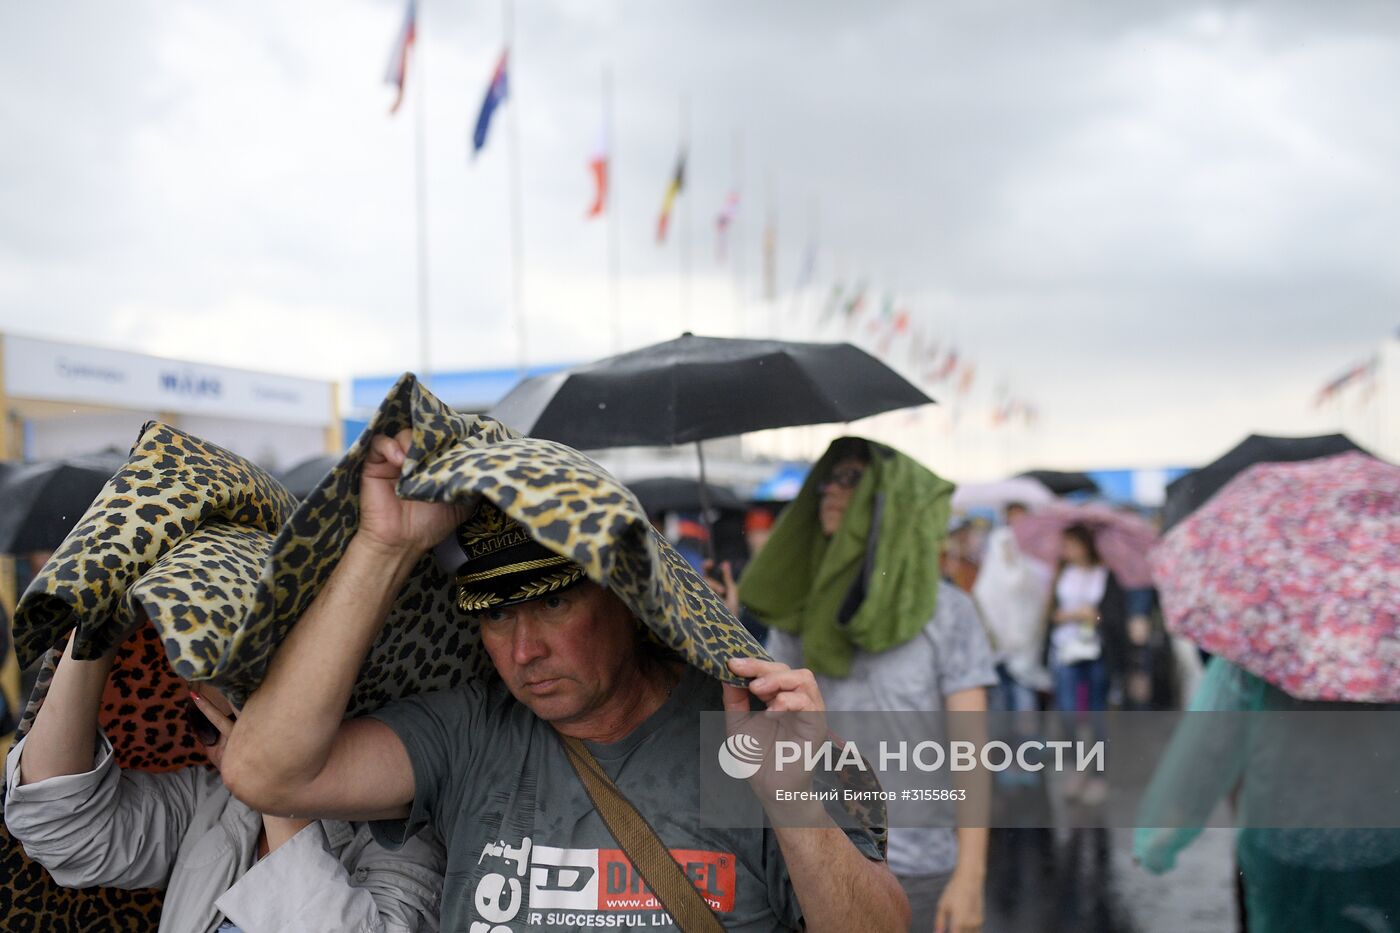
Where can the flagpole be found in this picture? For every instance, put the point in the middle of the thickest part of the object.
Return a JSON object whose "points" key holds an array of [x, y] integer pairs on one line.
{"points": [[684, 206], [610, 205], [770, 256], [809, 260], [736, 243], [517, 222], [420, 120]]}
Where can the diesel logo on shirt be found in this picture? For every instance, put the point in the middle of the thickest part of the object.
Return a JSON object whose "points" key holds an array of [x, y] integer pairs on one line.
{"points": [[605, 880], [712, 873]]}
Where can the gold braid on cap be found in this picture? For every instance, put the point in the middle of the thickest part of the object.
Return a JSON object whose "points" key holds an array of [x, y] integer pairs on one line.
{"points": [[522, 567], [476, 602], [555, 581]]}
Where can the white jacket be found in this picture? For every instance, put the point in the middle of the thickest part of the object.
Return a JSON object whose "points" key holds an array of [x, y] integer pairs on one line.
{"points": [[184, 832], [1013, 592]]}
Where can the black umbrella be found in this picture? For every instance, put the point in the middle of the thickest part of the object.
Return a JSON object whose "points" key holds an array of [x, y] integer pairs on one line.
{"points": [[694, 388], [682, 494], [1062, 483], [1188, 493], [41, 502], [307, 475]]}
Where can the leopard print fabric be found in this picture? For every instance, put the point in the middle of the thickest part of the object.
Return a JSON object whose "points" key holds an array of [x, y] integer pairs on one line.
{"points": [[575, 508], [179, 536], [142, 711], [566, 501], [31, 903], [170, 488]]}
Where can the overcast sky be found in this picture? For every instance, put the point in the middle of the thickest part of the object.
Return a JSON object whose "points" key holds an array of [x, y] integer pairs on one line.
{"points": [[1165, 225]]}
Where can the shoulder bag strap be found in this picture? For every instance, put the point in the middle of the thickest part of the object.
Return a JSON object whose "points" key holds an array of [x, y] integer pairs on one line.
{"points": [[644, 848]]}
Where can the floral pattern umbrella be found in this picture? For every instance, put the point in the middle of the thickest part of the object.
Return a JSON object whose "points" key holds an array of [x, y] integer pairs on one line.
{"points": [[1292, 571], [1123, 540]]}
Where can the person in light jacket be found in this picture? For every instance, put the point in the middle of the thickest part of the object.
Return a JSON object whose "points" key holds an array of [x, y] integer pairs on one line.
{"points": [[223, 866]]}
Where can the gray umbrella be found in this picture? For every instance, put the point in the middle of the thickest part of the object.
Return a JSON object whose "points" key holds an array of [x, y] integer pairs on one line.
{"points": [[307, 474], [1061, 482], [694, 388], [41, 502], [682, 494], [1188, 493]]}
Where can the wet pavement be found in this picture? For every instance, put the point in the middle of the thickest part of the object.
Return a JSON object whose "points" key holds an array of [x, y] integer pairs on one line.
{"points": [[1085, 881]]}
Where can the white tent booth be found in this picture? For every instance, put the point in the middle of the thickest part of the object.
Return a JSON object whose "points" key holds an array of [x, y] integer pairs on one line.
{"points": [[63, 399]]}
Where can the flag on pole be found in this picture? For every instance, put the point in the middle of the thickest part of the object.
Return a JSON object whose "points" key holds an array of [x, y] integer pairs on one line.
{"points": [[878, 323], [1011, 409], [946, 368], [895, 324], [673, 190], [915, 346], [397, 72], [725, 220], [1362, 370], [965, 379], [1003, 407], [598, 165], [495, 96], [855, 301]]}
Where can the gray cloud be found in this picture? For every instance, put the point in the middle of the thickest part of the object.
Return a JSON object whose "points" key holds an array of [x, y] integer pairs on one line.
{"points": [[1116, 208]]}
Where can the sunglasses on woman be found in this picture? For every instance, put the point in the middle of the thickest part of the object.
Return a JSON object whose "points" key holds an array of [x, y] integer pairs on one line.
{"points": [[845, 478]]}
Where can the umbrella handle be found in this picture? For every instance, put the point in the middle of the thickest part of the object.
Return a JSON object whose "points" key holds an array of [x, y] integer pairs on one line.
{"points": [[705, 505]]}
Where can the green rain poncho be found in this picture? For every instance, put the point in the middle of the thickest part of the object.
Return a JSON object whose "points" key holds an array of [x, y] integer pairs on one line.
{"points": [[874, 584]]}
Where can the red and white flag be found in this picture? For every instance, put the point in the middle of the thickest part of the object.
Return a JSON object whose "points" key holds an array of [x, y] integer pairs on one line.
{"points": [[397, 72], [598, 166]]}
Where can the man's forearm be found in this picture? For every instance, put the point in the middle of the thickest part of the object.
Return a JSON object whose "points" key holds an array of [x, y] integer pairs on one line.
{"points": [[838, 887], [285, 732]]}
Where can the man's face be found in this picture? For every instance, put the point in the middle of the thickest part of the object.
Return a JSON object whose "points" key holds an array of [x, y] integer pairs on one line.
{"points": [[565, 656], [837, 488]]}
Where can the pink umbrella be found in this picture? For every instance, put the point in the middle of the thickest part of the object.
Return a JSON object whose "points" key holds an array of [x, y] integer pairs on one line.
{"points": [[1292, 571], [1122, 539]]}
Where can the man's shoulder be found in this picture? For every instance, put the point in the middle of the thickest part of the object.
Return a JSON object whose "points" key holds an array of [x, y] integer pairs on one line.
{"points": [[952, 601], [955, 614]]}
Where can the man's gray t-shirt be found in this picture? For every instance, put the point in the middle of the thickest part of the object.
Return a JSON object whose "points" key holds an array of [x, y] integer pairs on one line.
{"points": [[950, 654], [526, 850]]}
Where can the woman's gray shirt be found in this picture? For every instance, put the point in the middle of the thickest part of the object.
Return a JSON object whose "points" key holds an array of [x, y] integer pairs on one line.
{"points": [[182, 831]]}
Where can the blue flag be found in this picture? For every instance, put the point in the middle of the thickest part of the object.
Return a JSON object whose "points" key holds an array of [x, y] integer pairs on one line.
{"points": [[495, 95]]}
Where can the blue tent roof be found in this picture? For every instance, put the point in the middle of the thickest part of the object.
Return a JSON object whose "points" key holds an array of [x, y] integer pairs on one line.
{"points": [[465, 389], [784, 484]]}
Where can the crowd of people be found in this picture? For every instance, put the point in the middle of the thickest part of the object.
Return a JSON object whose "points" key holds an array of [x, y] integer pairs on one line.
{"points": [[558, 790]]}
